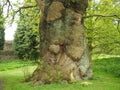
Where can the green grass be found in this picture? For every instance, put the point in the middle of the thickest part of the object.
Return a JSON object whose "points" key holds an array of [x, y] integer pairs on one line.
{"points": [[107, 65], [13, 64], [106, 77]]}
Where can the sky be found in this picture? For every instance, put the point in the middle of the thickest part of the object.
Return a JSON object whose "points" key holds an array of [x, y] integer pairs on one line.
{"points": [[10, 29]]}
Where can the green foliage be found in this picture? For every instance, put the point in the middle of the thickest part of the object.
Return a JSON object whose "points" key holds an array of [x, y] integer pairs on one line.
{"points": [[103, 33], [26, 42], [2, 33]]}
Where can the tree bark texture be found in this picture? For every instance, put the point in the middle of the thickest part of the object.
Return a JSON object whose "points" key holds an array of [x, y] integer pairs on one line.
{"points": [[63, 48]]}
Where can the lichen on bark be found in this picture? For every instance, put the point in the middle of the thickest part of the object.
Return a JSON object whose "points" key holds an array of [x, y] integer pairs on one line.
{"points": [[62, 44]]}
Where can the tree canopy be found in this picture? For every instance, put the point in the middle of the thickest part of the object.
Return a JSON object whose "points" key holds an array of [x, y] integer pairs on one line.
{"points": [[102, 26]]}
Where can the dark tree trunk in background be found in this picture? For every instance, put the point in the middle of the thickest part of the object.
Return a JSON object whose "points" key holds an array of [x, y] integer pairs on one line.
{"points": [[2, 30], [62, 43]]}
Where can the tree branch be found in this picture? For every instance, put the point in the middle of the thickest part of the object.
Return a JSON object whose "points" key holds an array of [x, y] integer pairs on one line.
{"points": [[19, 10], [6, 3], [97, 15], [24, 7], [118, 26]]}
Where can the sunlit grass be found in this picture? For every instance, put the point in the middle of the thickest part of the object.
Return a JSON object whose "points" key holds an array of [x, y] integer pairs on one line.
{"points": [[13, 64], [106, 77], [100, 56]]}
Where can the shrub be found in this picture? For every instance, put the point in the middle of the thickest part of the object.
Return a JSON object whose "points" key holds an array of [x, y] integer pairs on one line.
{"points": [[26, 39]]}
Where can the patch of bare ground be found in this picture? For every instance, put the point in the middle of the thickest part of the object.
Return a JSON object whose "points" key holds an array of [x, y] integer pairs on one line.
{"points": [[1, 84]]}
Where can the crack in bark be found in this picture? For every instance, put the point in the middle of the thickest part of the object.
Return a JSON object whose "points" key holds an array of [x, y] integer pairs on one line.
{"points": [[62, 44]]}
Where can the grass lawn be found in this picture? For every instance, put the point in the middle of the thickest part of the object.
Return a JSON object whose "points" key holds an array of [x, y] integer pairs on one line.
{"points": [[106, 76]]}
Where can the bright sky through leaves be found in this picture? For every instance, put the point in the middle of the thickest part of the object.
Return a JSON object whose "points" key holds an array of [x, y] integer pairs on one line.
{"points": [[10, 29]]}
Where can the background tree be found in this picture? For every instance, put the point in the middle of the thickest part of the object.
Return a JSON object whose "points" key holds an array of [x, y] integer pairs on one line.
{"points": [[102, 27], [2, 33], [26, 42]]}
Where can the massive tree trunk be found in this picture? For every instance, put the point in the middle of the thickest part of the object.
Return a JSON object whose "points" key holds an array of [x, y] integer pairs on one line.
{"points": [[62, 43]]}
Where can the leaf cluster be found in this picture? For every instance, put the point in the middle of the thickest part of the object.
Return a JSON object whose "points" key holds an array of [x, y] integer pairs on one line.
{"points": [[103, 32]]}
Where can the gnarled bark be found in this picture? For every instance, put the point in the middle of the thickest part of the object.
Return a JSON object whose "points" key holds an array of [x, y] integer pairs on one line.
{"points": [[62, 42]]}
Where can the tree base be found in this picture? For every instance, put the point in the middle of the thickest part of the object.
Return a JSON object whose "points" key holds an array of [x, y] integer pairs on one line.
{"points": [[63, 70]]}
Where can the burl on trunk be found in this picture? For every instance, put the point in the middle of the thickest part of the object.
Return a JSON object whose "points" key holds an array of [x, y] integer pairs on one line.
{"points": [[63, 50]]}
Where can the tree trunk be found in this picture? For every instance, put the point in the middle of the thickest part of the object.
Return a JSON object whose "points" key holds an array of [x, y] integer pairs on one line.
{"points": [[62, 43]]}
